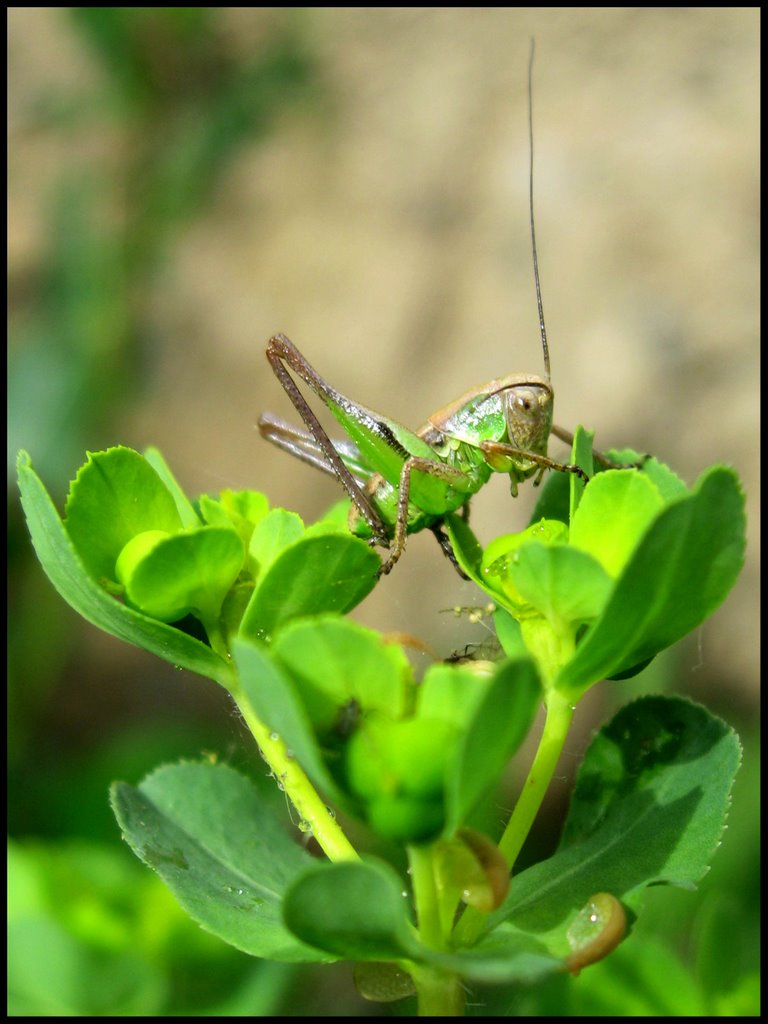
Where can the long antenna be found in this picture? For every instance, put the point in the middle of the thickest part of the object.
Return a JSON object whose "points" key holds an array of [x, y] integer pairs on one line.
{"points": [[542, 327]]}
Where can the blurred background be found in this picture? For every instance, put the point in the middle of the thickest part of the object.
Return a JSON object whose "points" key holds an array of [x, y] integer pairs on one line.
{"points": [[185, 182]]}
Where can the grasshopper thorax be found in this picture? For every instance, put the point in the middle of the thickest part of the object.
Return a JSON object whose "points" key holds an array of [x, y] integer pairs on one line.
{"points": [[514, 410]]}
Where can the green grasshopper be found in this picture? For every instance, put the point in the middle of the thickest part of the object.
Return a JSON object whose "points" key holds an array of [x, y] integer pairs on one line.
{"points": [[401, 482]]}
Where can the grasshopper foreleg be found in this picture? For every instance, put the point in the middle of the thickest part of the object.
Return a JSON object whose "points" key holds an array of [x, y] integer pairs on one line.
{"points": [[605, 462], [498, 448]]}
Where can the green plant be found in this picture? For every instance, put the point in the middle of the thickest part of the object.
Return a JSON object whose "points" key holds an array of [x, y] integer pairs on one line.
{"points": [[608, 574]]}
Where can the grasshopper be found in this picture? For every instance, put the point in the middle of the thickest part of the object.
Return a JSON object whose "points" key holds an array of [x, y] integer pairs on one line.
{"points": [[401, 482]]}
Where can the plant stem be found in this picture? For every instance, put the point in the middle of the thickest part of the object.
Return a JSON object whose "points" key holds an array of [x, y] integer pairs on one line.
{"points": [[313, 813], [440, 993], [556, 725], [426, 896], [216, 637]]}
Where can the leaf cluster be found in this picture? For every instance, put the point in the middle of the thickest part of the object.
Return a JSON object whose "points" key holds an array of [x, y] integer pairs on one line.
{"points": [[604, 578]]}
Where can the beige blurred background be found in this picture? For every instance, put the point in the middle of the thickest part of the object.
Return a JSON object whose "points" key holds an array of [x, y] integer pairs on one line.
{"points": [[385, 230]]}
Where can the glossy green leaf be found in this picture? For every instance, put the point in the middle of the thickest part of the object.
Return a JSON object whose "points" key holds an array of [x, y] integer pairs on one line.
{"points": [[562, 584], [115, 496], [498, 554], [356, 911], [205, 830], [359, 912], [509, 634], [650, 804], [498, 725], [682, 569], [276, 532], [581, 455], [187, 572], [189, 518], [334, 661], [615, 511], [244, 506], [465, 544], [72, 580], [243, 510], [668, 484], [331, 572]]}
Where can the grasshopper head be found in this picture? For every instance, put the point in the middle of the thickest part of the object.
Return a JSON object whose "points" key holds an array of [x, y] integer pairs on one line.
{"points": [[528, 414]]}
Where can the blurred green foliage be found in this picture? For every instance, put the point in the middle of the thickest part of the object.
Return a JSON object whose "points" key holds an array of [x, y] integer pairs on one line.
{"points": [[179, 106], [177, 102]]}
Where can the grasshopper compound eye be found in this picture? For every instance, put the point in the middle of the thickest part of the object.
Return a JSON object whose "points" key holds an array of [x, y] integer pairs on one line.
{"points": [[528, 415]]}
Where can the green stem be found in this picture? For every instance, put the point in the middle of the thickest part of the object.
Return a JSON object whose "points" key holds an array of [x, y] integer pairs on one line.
{"points": [[216, 637], [440, 993], [426, 896], [297, 787], [556, 725]]}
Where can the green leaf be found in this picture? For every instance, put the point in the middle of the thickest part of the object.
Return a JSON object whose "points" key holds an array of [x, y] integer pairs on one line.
{"points": [[204, 829], [509, 634], [615, 511], [354, 911], [465, 544], [498, 555], [668, 484], [72, 580], [115, 496], [359, 912], [451, 692], [240, 508], [243, 510], [188, 572], [649, 807], [328, 573], [499, 724], [681, 570], [337, 516], [276, 532], [189, 518], [334, 661], [581, 455], [558, 582]]}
